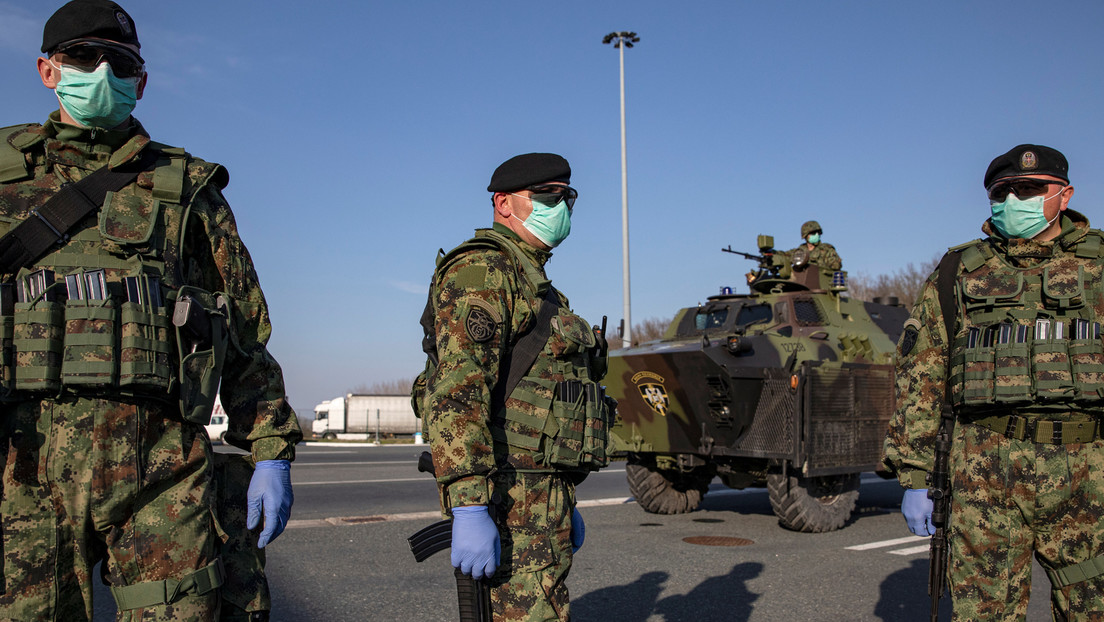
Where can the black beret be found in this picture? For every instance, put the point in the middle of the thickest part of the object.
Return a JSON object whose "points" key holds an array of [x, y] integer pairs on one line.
{"points": [[528, 169], [82, 19], [1026, 160]]}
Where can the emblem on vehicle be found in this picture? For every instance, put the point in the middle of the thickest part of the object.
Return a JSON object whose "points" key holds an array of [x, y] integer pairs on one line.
{"points": [[655, 396], [1028, 160]]}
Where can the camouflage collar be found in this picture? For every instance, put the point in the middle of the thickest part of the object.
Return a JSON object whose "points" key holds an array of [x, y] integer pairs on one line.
{"points": [[89, 148], [92, 138], [1074, 228], [539, 256]]}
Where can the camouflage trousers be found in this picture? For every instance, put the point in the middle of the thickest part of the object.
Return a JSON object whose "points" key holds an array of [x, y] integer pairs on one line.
{"points": [[91, 480], [1012, 499], [534, 521], [245, 589]]}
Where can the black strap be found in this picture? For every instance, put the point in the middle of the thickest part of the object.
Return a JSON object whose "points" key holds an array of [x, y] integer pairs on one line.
{"points": [[429, 330], [527, 349], [945, 288], [51, 223], [945, 285]]}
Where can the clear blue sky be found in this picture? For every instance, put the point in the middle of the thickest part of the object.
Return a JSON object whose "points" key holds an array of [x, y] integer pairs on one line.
{"points": [[360, 137]]}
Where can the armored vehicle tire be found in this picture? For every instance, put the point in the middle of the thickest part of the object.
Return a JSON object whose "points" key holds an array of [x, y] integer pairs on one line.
{"points": [[813, 504], [666, 492]]}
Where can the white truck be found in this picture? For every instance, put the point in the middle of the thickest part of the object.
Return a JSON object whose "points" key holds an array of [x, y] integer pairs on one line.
{"points": [[216, 428], [358, 417]]}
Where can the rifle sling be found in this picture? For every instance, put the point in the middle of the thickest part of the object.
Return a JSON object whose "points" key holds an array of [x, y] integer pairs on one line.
{"points": [[527, 349], [50, 224], [945, 289]]}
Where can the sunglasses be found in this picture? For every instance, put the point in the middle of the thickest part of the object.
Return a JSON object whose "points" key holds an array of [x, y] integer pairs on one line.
{"points": [[1022, 187], [552, 194], [87, 56]]}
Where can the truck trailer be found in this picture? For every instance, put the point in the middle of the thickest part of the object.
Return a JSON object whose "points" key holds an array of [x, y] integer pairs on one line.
{"points": [[358, 417]]}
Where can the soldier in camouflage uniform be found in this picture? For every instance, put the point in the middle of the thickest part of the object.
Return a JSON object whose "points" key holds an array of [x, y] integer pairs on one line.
{"points": [[1026, 380], [507, 459], [820, 253], [103, 394]]}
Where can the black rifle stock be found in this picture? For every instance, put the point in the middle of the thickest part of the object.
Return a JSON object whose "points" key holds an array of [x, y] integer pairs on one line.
{"points": [[939, 490], [473, 595]]}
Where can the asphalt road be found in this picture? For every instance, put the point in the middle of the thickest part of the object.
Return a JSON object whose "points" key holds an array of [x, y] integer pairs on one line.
{"points": [[344, 555]]}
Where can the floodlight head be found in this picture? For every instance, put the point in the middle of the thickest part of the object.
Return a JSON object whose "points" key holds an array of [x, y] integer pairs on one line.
{"points": [[618, 39]]}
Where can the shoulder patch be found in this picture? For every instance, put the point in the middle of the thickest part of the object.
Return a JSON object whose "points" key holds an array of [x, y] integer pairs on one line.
{"points": [[479, 324], [908, 340]]}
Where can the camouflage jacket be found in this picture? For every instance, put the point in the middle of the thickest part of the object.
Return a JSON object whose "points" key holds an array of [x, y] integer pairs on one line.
{"points": [[481, 305], [924, 351], [213, 257], [823, 255]]}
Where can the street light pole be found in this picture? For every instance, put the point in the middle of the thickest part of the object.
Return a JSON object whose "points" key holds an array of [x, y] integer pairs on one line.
{"points": [[622, 40]]}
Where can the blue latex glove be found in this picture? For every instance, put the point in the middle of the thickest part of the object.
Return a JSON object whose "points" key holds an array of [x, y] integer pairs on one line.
{"points": [[270, 490], [475, 543], [578, 531], [917, 508]]}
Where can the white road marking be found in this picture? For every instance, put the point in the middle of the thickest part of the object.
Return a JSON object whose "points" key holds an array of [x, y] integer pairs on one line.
{"points": [[425, 478], [584, 503], [886, 543], [298, 464], [344, 521], [912, 551]]}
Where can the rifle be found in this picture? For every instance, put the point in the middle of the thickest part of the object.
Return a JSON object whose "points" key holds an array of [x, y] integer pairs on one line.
{"points": [[939, 490], [759, 258], [769, 265], [939, 480], [474, 596]]}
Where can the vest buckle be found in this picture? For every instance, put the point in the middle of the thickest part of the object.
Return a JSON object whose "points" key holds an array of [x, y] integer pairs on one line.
{"points": [[62, 238]]}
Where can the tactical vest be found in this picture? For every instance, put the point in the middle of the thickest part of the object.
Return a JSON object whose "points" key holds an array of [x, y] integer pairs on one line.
{"points": [[95, 316], [557, 415], [1029, 336]]}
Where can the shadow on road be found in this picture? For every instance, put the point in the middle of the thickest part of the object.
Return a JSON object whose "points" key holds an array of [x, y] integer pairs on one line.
{"points": [[904, 596], [718, 598], [633, 602], [749, 501]]}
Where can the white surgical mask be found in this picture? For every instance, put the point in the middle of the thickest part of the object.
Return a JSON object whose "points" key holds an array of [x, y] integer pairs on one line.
{"points": [[1022, 218], [550, 224], [96, 98]]}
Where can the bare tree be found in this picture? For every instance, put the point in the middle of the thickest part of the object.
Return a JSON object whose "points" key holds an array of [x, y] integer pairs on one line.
{"points": [[385, 387], [905, 283], [648, 330]]}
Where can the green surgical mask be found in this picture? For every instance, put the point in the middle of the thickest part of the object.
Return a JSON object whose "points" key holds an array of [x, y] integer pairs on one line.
{"points": [[550, 224], [1021, 218], [96, 98], [814, 239]]}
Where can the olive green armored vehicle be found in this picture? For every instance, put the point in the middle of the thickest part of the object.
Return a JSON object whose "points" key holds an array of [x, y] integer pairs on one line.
{"points": [[789, 387]]}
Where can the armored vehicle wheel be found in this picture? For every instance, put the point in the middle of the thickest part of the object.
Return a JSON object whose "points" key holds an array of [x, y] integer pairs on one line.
{"points": [[814, 504], [666, 492]]}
